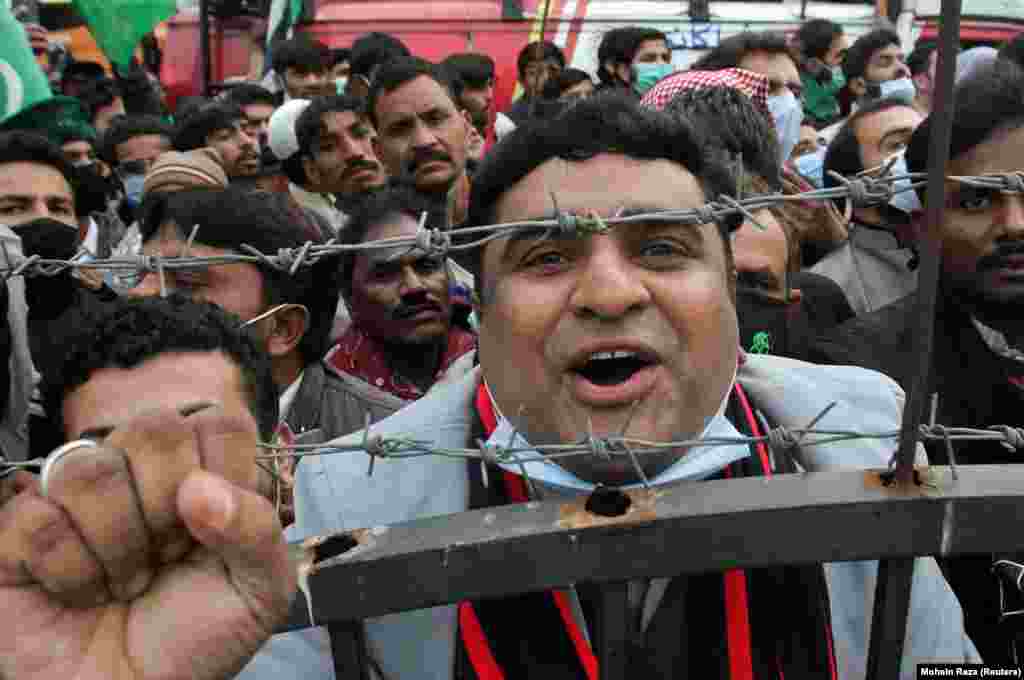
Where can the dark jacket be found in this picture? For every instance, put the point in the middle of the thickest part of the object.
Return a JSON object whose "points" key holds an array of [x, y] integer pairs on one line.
{"points": [[977, 388]]}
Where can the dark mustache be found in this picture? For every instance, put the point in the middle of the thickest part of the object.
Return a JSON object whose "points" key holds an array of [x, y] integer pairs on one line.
{"points": [[1003, 251], [356, 166], [411, 306], [427, 156]]}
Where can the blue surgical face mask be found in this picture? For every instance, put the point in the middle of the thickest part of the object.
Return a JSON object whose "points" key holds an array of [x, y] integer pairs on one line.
{"points": [[811, 166], [902, 89], [905, 201], [787, 114], [133, 188], [646, 76]]}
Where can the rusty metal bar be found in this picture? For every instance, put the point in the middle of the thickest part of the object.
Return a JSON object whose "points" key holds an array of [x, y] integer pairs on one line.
{"points": [[688, 528], [895, 576]]}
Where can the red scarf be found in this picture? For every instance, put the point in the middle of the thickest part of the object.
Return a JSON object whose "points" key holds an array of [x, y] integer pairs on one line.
{"points": [[357, 354]]}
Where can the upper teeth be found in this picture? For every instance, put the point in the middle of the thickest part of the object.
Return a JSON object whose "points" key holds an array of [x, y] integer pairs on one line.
{"points": [[611, 355]]}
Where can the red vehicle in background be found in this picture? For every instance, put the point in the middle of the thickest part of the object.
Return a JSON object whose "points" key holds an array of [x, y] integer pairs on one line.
{"points": [[432, 30]]}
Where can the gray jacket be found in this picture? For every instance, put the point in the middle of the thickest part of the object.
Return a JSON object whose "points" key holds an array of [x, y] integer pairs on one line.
{"points": [[333, 493]]}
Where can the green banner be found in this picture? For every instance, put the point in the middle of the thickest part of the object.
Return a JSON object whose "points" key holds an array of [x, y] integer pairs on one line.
{"points": [[118, 25], [22, 83]]}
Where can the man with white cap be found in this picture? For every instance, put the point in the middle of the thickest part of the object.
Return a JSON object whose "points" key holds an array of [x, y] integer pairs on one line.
{"points": [[284, 144]]}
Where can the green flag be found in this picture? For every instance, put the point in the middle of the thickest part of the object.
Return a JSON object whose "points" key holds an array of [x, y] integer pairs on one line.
{"points": [[118, 25], [23, 83], [281, 19]]}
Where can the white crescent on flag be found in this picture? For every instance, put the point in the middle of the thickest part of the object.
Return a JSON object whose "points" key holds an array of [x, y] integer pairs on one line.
{"points": [[13, 95]]}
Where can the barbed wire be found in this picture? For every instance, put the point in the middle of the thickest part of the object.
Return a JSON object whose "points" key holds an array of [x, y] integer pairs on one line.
{"points": [[859, 191]]}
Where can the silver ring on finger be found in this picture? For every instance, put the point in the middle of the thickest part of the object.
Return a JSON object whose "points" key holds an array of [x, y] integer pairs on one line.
{"points": [[54, 458]]}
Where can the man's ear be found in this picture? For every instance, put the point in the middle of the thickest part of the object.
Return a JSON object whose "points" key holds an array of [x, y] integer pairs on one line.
{"points": [[858, 86], [795, 295], [311, 170], [288, 328], [358, 86], [623, 73]]}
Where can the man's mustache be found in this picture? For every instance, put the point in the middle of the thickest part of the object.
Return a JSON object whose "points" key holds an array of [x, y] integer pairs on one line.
{"points": [[408, 308], [427, 157], [1003, 251], [360, 165]]}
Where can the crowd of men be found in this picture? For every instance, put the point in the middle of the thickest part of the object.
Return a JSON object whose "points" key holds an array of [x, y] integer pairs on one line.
{"points": [[157, 549]]}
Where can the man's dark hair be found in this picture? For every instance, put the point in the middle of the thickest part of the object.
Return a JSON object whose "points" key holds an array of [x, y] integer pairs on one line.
{"points": [[130, 331], [339, 55], [731, 51], [540, 50], [300, 53], [855, 63], [917, 60], [398, 198], [193, 131], [97, 95], [989, 101], [235, 217], [373, 50], [734, 123], [20, 146], [398, 72], [610, 122], [843, 154], [248, 94], [617, 47], [469, 70], [569, 77], [310, 123], [815, 37], [124, 128]]}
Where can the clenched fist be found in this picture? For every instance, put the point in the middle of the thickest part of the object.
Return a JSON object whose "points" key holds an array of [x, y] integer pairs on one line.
{"points": [[151, 557]]}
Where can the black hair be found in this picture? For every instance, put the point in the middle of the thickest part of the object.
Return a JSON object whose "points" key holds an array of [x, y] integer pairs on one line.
{"points": [[310, 124], [843, 155], [300, 53], [129, 331], [609, 122], [373, 50], [469, 70], [90, 191], [234, 217], [124, 128], [855, 63], [569, 77], [733, 122], [98, 94], [617, 47], [988, 101], [398, 72], [540, 50], [194, 130], [339, 55], [188, 105], [21, 146], [918, 59], [731, 51], [398, 198], [815, 37], [84, 71], [248, 94]]}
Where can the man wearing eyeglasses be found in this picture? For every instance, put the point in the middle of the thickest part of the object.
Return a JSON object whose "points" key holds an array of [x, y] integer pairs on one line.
{"points": [[875, 266]]}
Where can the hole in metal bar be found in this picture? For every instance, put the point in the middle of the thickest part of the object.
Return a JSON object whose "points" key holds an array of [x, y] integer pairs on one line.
{"points": [[334, 546], [608, 502]]}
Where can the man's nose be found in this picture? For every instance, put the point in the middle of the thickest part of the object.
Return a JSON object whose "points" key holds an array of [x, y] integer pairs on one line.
{"points": [[608, 286], [423, 137], [903, 71], [1013, 215]]}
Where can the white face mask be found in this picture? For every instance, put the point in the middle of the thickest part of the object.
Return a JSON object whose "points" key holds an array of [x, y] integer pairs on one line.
{"points": [[902, 89], [904, 198], [787, 114]]}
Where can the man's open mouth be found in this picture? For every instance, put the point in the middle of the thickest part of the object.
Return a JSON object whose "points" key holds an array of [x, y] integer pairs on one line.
{"points": [[612, 368]]}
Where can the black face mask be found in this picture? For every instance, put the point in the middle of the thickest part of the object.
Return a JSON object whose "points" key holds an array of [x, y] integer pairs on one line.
{"points": [[48, 297], [47, 238], [770, 326]]}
